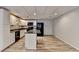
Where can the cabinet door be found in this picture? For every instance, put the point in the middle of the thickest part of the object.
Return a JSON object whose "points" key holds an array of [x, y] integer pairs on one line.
{"points": [[12, 37], [22, 33], [30, 41]]}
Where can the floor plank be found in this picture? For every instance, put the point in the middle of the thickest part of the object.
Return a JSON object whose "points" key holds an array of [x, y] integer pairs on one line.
{"points": [[45, 44]]}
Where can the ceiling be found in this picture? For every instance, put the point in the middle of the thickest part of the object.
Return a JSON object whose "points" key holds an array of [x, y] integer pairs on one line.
{"points": [[39, 12]]}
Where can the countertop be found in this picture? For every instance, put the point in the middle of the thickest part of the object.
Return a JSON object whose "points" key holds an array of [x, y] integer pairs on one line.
{"points": [[14, 30]]}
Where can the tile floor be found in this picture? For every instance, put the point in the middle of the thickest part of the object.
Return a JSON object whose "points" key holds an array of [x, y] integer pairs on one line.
{"points": [[45, 44]]}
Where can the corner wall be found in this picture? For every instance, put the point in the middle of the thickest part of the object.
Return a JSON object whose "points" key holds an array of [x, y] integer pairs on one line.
{"points": [[66, 28]]}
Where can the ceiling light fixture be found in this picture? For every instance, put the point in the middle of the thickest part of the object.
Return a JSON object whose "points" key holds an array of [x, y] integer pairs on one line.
{"points": [[55, 13], [34, 14]]}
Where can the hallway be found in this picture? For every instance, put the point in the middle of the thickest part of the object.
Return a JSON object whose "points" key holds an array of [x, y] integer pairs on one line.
{"points": [[45, 44]]}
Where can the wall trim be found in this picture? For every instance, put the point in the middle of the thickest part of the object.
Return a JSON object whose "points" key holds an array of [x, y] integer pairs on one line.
{"points": [[7, 47]]}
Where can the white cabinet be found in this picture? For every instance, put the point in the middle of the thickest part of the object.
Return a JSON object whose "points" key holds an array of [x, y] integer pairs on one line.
{"points": [[22, 33], [30, 41], [14, 20], [4, 29], [22, 22], [12, 37]]}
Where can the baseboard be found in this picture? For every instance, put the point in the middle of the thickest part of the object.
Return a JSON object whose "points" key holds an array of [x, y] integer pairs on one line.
{"points": [[48, 35], [65, 42], [7, 47]]}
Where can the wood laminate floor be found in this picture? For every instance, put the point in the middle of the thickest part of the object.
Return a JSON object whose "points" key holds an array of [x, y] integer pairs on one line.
{"points": [[45, 44]]}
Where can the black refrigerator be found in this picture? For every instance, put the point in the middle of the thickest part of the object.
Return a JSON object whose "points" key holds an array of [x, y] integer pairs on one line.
{"points": [[40, 29]]}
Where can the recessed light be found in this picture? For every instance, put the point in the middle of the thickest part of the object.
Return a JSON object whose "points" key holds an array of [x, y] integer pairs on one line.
{"points": [[34, 14], [55, 13]]}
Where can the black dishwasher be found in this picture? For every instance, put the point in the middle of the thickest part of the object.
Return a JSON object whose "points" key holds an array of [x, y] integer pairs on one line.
{"points": [[17, 36]]}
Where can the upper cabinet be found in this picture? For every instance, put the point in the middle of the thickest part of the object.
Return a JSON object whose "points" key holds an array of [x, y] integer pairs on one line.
{"points": [[22, 22], [14, 20]]}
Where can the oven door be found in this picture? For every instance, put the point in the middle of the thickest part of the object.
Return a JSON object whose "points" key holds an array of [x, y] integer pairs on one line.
{"points": [[17, 36]]}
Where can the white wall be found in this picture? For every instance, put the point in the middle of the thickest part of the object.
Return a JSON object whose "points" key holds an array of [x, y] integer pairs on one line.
{"points": [[66, 28], [1, 29], [48, 26], [4, 29]]}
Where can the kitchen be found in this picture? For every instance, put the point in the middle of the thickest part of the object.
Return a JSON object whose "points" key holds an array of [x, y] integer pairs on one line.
{"points": [[35, 32]]}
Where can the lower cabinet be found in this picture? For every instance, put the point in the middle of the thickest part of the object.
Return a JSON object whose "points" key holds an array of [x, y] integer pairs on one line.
{"points": [[12, 37], [22, 33], [30, 41]]}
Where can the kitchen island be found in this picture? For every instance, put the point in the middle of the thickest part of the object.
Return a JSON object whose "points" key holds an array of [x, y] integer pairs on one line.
{"points": [[30, 40]]}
